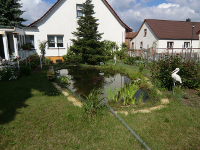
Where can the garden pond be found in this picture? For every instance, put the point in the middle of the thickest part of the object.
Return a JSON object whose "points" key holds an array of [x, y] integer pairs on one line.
{"points": [[82, 80]]}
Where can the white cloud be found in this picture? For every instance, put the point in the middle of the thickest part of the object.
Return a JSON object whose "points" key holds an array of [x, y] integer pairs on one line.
{"points": [[34, 9], [174, 10]]}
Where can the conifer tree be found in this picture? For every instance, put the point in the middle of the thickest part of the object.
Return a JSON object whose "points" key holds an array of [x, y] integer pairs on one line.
{"points": [[10, 13], [88, 46]]}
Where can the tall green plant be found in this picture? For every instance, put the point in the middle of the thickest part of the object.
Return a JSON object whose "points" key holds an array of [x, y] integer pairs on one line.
{"points": [[93, 103], [42, 47]]}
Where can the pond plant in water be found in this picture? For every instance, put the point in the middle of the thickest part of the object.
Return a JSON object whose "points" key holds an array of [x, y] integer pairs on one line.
{"points": [[125, 95]]}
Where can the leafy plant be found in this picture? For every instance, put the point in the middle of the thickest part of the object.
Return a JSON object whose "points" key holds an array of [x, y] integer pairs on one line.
{"points": [[93, 103], [8, 73], [42, 46], [34, 60], [64, 79]]}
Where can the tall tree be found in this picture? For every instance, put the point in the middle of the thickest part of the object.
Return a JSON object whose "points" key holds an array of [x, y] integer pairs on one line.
{"points": [[10, 13], [88, 46]]}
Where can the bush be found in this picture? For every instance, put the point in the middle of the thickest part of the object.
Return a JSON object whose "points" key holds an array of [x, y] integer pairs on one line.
{"points": [[8, 73], [47, 61], [35, 61], [25, 70], [162, 69]]}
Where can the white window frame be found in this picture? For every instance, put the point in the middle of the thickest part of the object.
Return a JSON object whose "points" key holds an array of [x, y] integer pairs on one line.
{"points": [[186, 44], [145, 32], [170, 44], [56, 41], [29, 40], [78, 10], [141, 44]]}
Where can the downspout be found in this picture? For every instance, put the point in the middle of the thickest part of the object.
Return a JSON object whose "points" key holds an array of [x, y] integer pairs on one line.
{"points": [[137, 137]]}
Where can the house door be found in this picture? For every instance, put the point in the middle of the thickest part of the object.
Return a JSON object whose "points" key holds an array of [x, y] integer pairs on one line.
{"points": [[2, 54]]}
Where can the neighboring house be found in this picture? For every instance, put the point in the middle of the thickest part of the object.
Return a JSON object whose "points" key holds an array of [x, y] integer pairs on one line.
{"points": [[167, 35], [129, 37], [198, 33], [58, 23]]}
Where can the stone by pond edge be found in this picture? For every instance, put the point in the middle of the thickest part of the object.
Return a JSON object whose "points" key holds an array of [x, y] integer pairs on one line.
{"points": [[79, 104]]}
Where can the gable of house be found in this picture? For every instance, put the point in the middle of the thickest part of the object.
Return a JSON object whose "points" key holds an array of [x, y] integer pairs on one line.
{"points": [[60, 21]]}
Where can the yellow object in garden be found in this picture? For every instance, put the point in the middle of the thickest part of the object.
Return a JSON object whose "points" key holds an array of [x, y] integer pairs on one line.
{"points": [[50, 73]]}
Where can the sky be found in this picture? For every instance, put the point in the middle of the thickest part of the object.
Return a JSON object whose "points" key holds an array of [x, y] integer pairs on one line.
{"points": [[132, 12]]}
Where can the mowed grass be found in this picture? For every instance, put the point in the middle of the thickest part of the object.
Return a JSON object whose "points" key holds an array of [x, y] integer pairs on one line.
{"points": [[33, 115]]}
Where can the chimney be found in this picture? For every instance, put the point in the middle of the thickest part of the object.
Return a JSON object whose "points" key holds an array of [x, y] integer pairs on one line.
{"points": [[188, 20]]}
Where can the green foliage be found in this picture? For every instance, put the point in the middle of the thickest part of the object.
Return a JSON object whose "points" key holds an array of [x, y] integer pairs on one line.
{"points": [[93, 103], [35, 61], [122, 53], [25, 70], [87, 48], [42, 46], [8, 73], [47, 61], [64, 79], [162, 69], [109, 47], [10, 13], [126, 95]]}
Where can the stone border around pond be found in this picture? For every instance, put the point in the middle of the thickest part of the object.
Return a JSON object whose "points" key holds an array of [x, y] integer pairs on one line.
{"points": [[69, 97], [79, 104]]}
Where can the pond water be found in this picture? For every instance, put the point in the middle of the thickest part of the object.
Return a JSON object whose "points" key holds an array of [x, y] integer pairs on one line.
{"points": [[84, 79]]}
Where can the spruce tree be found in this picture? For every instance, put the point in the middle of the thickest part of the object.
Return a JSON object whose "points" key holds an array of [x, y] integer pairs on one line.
{"points": [[87, 47], [10, 13]]}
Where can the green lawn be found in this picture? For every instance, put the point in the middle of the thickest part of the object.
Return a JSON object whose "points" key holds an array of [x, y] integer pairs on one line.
{"points": [[33, 115]]}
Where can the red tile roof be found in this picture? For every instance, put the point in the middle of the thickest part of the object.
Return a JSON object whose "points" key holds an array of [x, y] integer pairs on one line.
{"points": [[198, 32], [168, 29], [128, 29], [130, 35]]}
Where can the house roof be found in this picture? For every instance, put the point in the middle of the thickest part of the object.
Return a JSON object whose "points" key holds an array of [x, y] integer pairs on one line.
{"points": [[169, 29], [130, 35], [198, 32], [128, 29]]}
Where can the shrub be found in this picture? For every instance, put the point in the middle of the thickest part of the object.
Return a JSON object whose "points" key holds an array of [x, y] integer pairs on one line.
{"points": [[25, 70], [162, 69], [47, 61], [35, 61], [8, 73]]}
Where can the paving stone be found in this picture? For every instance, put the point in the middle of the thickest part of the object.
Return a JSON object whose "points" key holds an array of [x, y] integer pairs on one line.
{"points": [[122, 112], [71, 99], [157, 107], [142, 111], [79, 104], [65, 93], [164, 101]]}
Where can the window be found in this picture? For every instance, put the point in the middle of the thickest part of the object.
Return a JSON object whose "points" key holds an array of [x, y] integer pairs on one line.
{"points": [[132, 45], [186, 44], [141, 44], [30, 40], [170, 44], [55, 40], [79, 10], [145, 32]]}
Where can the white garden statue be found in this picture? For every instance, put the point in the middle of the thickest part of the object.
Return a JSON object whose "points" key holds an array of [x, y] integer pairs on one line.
{"points": [[176, 77]]}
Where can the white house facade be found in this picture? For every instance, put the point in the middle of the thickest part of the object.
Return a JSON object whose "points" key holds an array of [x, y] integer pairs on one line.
{"points": [[58, 23], [167, 35]]}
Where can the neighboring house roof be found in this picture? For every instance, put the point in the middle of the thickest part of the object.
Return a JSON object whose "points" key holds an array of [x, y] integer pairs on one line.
{"points": [[169, 29], [130, 35], [128, 29], [198, 32]]}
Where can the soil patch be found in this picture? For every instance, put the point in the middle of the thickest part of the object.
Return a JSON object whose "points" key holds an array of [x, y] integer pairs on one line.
{"points": [[191, 98]]}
